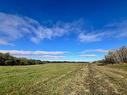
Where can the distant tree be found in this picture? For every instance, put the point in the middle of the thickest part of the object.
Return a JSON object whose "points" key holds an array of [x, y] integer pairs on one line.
{"points": [[7, 59]]}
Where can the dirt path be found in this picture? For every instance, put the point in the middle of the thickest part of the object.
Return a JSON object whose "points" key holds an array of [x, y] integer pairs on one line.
{"points": [[117, 77], [95, 80]]}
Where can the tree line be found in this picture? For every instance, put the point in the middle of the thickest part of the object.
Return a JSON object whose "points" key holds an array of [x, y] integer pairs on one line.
{"points": [[6, 59], [116, 56]]}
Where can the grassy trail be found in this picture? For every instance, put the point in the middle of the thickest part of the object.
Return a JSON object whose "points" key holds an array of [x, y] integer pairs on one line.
{"points": [[63, 79]]}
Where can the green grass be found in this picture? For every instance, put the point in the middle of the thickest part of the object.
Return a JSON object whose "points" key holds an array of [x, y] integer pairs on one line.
{"points": [[119, 66], [17, 79], [63, 79]]}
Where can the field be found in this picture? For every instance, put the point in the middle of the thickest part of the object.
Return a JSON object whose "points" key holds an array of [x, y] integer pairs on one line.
{"points": [[63, 79]]}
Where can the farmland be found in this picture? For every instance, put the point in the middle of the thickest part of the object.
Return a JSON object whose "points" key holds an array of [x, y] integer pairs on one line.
{"points": [[63, 79]]}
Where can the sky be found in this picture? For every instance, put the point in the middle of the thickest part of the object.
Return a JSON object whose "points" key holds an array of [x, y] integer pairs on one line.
{"points": [[69, 30]]}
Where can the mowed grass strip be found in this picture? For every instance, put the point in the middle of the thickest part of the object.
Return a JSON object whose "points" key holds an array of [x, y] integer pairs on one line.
{"points": [[15, 79], [119, 66]]}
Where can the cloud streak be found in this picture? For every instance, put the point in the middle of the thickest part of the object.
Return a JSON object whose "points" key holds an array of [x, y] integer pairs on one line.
{"points": [[23, 52], [13, 27], [109, 31], [91, 37], [52, 57], [49, 55], [88, 55], [95, 50], [4, 42]]}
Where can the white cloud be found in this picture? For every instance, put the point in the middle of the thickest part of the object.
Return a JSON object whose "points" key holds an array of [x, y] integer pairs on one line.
{"points": [[52, 57], [96, 50], [46, 55], [109, 31], [42, 57], [57, 30], [118, 29], [23, 52], [88, 55], [92, 37], [4, 42], [13, 27]]}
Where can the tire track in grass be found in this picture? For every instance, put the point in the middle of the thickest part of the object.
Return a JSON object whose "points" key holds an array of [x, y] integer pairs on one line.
{"points": [[60, 82], [93, 83], [87, 81], [77, 84], [119, 81], [108, 87], [120, 72], [47, 87], [97, 83]]}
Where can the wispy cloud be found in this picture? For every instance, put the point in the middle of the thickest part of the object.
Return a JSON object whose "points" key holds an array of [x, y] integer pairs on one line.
{"points": [[88, 55], [42, 57], [91, 37], [109, 31], [95, 50], [13, 27], [48, 55], [4, 42], [23, 52], [52, 57], [118, 29], [58, 30]]}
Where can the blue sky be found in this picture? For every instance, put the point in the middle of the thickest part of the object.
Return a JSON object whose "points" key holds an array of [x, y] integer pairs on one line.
{"points": [[79, 30]]}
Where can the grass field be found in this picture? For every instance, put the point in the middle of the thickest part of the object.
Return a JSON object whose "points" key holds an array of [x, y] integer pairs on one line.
{"points": [[119, 66], [63, 79]]}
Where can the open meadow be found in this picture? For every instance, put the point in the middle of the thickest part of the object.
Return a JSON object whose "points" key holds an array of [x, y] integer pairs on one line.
{"points": [[63, 47], [63, 79]]}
